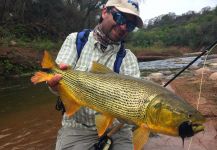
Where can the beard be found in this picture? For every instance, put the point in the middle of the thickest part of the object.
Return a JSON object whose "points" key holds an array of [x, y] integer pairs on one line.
{"points": [[116, 34]]}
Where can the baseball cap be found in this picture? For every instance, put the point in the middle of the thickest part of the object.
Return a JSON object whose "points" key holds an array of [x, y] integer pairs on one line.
{"points": [[127, 6]]}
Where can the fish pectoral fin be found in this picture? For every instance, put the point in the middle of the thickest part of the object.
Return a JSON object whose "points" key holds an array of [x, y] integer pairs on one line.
{"points": [[99, 68], [69, 100], [140, 137], [102, 123]]}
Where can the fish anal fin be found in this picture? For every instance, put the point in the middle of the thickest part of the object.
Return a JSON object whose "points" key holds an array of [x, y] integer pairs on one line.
{"points": [[71, 108], [102, 123], [140, 137], [70, 102], [99, 68]]}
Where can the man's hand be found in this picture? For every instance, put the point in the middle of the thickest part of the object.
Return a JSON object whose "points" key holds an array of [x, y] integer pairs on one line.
{"points": [[53, 82]]}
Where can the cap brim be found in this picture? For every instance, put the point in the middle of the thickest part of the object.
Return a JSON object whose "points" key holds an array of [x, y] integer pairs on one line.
{"points": [[128, 11]]}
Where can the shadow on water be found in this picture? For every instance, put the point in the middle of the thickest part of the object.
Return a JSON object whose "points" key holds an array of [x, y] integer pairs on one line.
{"points": [[20, 95]]}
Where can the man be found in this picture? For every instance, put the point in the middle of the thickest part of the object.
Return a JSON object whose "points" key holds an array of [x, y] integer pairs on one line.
{"points": [[119, 17]]}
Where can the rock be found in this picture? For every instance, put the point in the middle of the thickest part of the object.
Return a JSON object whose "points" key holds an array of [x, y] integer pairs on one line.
{"points": [[13, 43], [213, 65], [202, 100], [166, 73], [193, 67], [210, 56], [192, 54], [157, 77], [146, 78], [213, 76], [204, 70]]}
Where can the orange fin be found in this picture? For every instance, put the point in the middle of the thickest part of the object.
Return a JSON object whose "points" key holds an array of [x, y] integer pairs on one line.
{"points": [[41, 77], [100, 69], [71, 107], [69, 100], [140, 137], [47, 61], [102, 123]]}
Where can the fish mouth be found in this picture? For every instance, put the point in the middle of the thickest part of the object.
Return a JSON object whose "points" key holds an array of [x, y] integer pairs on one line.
{"points": [[197, 128], [188, 129]]}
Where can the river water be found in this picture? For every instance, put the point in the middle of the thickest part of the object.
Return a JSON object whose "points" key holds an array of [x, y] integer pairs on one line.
{"points": [[172, 63], [28, 119]]}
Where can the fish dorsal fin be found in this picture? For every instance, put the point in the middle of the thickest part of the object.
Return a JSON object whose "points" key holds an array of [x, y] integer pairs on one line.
{"points": [[47, 61], [99, 68], [140, 137]]}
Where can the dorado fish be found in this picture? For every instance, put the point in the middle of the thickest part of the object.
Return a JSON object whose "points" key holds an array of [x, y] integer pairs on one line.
{"points": [[151, 107]]}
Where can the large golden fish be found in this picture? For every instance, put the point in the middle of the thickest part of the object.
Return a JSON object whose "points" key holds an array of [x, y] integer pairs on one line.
{"points": [[146, 104]]}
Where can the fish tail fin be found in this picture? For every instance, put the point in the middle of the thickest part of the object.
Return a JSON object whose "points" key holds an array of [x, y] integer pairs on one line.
{"points": [[47, 61], [41, 77]]}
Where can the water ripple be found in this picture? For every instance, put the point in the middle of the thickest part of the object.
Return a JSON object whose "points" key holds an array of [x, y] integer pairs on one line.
{"points": [[173, 63]]}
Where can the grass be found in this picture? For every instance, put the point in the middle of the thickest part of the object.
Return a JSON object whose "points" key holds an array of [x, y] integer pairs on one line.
{"points": [[155, 50], [36, 44], [45, 44], [18, 38]]}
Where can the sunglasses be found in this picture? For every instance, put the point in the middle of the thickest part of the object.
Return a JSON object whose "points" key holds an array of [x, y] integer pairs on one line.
{"points": [[121, 19]]}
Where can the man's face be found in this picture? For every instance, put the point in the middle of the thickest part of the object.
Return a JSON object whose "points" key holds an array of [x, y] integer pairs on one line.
{"points": [[116, 25]]}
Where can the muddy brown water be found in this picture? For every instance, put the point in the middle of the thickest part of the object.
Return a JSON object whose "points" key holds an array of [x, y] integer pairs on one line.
{"points": [[28, 119]]}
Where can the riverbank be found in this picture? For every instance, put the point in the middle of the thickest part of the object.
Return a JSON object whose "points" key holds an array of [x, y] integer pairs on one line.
{"points": [[18, 61]]}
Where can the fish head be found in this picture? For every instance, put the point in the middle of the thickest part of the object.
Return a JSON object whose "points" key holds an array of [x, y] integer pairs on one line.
{"points": [[171, 115]]}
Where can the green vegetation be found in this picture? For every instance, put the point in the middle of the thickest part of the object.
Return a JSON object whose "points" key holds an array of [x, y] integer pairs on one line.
{"points": [[11, 68], [8, 66], [193, 30], [43, 24]]}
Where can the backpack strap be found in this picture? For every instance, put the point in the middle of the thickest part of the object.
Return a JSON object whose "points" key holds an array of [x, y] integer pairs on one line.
{"points": [[119, 58], [81, 40]]}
